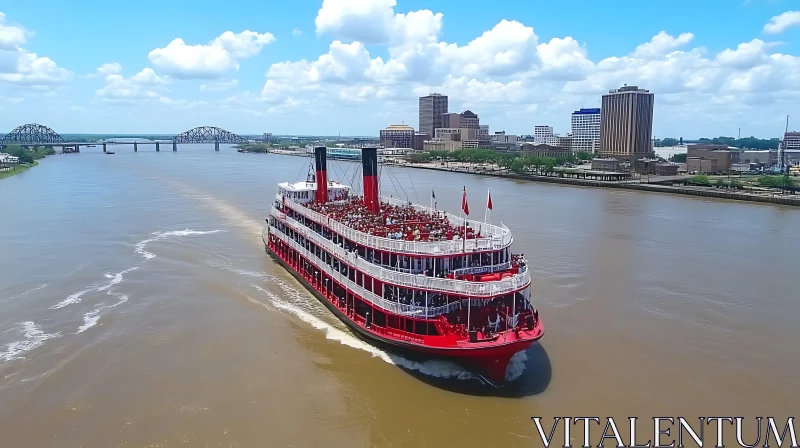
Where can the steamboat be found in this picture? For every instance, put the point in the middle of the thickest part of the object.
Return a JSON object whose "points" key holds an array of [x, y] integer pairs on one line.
{"points": [[405, 276]]}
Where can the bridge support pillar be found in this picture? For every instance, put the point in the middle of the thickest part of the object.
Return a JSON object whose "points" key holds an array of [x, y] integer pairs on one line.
{"points": [[157, 147], [135, 147], [174, 146], [216, 145], [104, 147]]}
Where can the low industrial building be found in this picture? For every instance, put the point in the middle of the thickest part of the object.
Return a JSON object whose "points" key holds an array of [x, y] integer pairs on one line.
{"points": [[529, 150], [441, 145], [607, 164], [707, 166], [645, 165], [708, 159], [667, 169]]}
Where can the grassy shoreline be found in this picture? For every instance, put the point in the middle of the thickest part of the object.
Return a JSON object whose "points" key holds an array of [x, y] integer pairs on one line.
{"points": [[22, 167]]}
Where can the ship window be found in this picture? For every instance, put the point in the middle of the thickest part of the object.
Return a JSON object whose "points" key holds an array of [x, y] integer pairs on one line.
{"points": [[362, 308], [380, 318], [425, 328]]}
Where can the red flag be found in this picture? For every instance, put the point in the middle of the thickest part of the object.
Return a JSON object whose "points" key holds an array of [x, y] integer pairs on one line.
{"points": [[489, 205], [464, 204]]}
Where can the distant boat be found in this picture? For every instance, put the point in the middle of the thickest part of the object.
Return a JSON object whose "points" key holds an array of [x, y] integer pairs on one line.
{"points": [[109, 151]]}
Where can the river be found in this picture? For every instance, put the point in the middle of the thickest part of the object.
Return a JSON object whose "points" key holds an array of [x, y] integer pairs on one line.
{"points": [[138, 308]]}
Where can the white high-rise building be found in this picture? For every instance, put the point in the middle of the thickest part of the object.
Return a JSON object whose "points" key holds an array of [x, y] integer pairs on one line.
{"points": [[585, 130], [543, 135]]}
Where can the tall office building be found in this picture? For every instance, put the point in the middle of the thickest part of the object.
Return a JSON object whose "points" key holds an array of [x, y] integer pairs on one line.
{"points": [[432, 110], [626, 123], [470, 120], [585, 130], [542, 132]]}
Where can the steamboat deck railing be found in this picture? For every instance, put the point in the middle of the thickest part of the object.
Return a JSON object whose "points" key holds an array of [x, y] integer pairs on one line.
{"points": [[418, 281], [387, 305], [499, 237]]}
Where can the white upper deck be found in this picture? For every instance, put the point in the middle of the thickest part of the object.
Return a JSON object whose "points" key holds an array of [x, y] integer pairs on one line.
{"points": [[303, 192], [494, 237]]}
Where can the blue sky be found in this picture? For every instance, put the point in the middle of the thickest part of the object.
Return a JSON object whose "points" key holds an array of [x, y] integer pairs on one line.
{"points": [[356, 66]]}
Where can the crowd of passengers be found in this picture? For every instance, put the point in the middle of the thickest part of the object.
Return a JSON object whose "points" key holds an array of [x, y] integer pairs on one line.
{"points": [[396, 222], [499, 314]]}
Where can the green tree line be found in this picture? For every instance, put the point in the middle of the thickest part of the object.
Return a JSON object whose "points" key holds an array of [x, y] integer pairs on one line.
{"points": [[511, 162], [29, 155]]}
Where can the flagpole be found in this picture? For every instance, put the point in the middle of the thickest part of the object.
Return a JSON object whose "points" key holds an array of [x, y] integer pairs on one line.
{"points": [[486, 214], [487, 205]]}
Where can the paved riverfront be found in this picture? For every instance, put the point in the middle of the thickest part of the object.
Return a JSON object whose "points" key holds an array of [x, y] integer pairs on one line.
{"points": [[137, 308]]}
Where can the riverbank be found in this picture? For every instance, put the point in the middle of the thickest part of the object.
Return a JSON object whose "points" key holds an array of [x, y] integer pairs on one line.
{"points": [[18, 169], [709, 192]]}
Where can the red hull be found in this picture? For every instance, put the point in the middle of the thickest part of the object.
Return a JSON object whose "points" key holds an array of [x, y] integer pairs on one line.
{"points": [[488, 358]]}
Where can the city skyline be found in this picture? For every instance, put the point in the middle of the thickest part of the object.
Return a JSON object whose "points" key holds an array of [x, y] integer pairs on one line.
{"points": [[251, 69]]}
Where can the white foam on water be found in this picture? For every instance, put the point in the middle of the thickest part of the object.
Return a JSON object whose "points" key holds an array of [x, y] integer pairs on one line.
{"points": [[34, 337], [32, 290], [115, 279], [72, 272], [90, 320], [71, 299], [243, 272], [436, 368], [122, 299], [516, 366], [157, 236]]}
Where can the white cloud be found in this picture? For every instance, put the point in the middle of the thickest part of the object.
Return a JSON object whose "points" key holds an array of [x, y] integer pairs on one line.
{"points": [[288, 104], [375, 22], [213, 60], [219, 86], [661, 44], [297, 32], [783, 22], [17, 66], [11, 37], [109, 69], [33, 70], [507, 71], [145, 85], [105, 70], [181, 104], [745, 56]]}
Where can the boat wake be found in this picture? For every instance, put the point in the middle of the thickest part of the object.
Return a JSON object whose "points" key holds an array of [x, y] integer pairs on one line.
{"points": [[23, 294], [34, 337], [436, 368], [76, 297], [157, 236]]}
